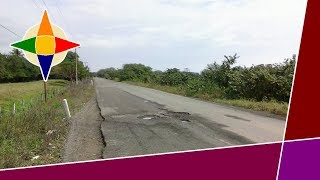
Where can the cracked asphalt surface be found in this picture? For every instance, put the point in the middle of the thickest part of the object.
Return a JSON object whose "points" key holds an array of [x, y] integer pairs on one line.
{"points": [[139, 121]]}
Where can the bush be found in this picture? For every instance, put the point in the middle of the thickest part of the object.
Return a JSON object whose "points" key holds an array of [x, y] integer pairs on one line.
{"points": [[262, 82], [225, 80]]}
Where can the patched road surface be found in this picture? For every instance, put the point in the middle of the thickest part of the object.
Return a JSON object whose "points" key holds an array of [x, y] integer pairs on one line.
{"points": [[140, 121]]}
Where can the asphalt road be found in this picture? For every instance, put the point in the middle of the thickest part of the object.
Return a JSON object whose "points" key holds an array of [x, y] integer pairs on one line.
{"points": [[140, 121]]}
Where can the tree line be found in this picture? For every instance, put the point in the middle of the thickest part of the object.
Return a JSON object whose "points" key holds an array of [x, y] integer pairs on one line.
{"points": [[15, 68], [262, 82]]}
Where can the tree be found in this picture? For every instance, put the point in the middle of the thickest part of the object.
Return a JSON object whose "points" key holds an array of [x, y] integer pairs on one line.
{"points": [[16, 52], [220, 74], [15, 68], [66, 70], [173, 77], [218, 80], [135, 72], [111, 73]]}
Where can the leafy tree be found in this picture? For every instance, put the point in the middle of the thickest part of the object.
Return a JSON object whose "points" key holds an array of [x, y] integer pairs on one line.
{"points": [[224, 80], [220, 74], [16, 52], [173, 77], [262, 82], [15, 68], [135, 72], [66, 70], [111, 73]]}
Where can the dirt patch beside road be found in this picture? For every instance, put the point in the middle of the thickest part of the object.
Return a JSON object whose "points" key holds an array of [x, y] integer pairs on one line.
{"points": [[84, 141]]}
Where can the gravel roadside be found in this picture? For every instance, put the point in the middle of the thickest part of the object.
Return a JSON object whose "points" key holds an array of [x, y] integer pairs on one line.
{"points": [[84, 141]]}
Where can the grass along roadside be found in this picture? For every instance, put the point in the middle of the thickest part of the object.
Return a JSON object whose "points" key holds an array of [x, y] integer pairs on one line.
{"points": [[23, 95], [36, 136], [273, 107]]}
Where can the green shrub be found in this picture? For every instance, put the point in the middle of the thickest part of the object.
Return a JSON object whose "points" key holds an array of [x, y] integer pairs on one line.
{"points": [[263, 82]]}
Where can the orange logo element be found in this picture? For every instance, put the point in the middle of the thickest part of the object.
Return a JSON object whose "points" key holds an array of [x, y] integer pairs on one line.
{"points": [[45, 45]]}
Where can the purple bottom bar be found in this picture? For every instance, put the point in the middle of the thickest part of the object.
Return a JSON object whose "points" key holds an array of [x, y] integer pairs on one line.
{"points": [[259, 162], [300, 160]]}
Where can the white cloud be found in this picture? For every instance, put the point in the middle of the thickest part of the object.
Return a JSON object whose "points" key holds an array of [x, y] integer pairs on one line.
{"points": [[270, 29]]}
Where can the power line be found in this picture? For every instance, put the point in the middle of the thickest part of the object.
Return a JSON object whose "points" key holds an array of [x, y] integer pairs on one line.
{"points": [[49, 10], [63, 17], [10, 31], [35, 4], [58, 7]]}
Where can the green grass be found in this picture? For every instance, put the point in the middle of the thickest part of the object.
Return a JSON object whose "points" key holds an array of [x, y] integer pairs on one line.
{"points": [[41, 129], [28, 92], [273, 107]]}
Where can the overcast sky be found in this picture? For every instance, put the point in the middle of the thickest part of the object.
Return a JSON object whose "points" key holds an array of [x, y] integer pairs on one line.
{"points": [[166, 33]]}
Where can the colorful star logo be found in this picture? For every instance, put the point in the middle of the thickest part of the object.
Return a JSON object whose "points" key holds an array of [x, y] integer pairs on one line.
{"points": [[45, 45]]}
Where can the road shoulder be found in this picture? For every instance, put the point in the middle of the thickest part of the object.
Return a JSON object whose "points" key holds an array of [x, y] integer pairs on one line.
{"points": [[84, 141]]}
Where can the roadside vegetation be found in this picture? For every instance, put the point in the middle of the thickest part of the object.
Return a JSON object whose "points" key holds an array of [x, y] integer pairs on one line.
{"points": [[264, 87], [23, 95], [15, 68], [35, 133]]}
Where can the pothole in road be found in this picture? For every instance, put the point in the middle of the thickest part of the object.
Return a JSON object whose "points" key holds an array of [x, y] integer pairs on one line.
{"points": [[185, 120], [148, 116], [182, 116], [179, 115]]}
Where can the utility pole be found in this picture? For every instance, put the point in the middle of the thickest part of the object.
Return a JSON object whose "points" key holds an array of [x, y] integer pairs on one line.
{"points": [[45, 90], [75, 50]]}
